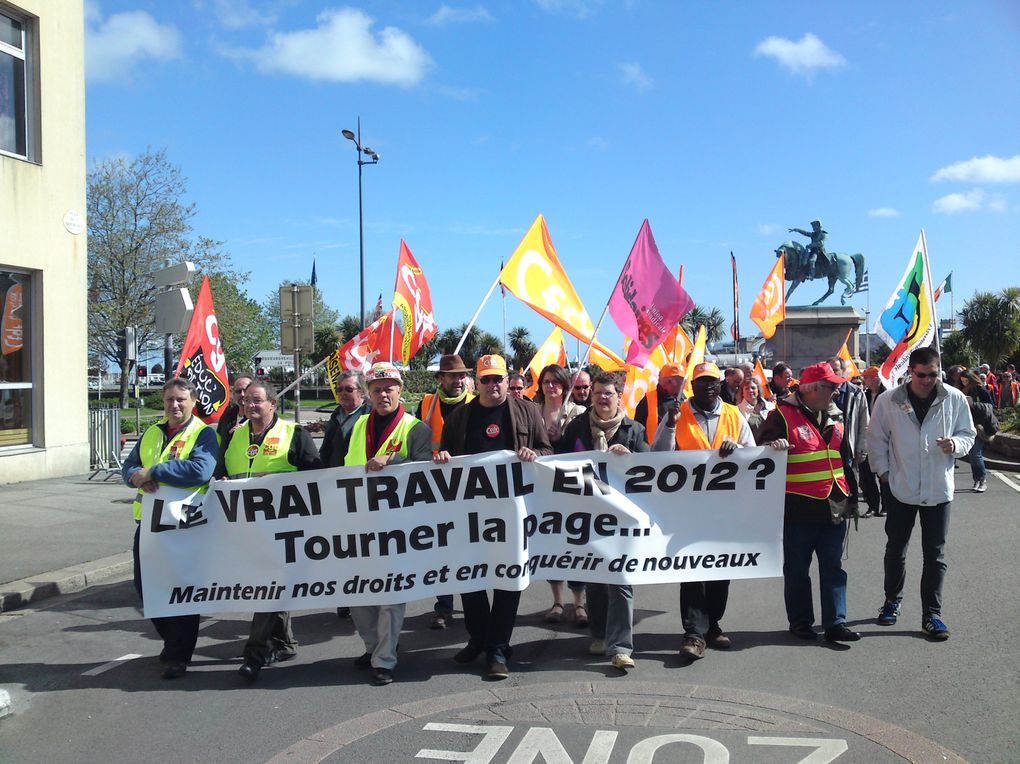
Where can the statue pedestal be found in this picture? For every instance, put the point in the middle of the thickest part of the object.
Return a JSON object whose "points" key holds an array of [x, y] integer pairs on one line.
{"points": [[813, 334]]}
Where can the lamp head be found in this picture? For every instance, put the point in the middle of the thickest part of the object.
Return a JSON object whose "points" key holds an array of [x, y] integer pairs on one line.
{"points": [[348, 134]]}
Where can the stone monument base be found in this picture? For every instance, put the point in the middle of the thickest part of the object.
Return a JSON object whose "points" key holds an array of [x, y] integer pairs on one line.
{"points": [[813, 334]]}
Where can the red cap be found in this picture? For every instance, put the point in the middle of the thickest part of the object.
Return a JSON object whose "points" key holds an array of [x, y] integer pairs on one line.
{"points": [[819, 372]]}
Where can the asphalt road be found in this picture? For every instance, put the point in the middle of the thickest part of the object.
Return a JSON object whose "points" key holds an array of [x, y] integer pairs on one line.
{"points": [[83, 680]]}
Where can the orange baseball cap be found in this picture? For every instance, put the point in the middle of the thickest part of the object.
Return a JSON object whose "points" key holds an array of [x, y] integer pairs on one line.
{"points": [[491, 364], [706, 369]]}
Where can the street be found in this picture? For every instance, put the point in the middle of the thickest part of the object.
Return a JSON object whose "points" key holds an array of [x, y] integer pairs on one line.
{"points": [[82, 675]]}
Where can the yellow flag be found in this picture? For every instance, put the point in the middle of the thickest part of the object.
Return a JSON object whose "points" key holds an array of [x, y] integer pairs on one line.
{"points": [[551, 351], [697, 356], [535, 277], [679, 345], [642, 379], [848, 361], [769, 309]]}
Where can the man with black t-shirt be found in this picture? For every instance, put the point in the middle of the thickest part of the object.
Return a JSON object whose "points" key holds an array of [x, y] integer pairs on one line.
{"points": [[492, 422]]}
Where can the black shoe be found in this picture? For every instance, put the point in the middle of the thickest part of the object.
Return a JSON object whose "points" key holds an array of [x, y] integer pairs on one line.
{"points": [[363, 661], [173, 670], [840, 633], [717, 640], [250, 669], [468, 654], [343, 612], [281, 656], [382, 676], [497, 670], [440, 621], [804, 631]]}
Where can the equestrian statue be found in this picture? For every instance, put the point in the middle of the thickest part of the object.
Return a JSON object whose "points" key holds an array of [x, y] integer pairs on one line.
{"points": [[815, 262]]}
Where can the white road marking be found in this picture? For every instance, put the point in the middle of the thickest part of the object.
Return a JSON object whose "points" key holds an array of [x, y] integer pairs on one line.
{"points": [[1007, 481], [112, 664]]}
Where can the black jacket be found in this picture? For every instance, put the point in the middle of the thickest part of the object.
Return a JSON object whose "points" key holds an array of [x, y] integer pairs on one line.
{"points": [[577, 436]]}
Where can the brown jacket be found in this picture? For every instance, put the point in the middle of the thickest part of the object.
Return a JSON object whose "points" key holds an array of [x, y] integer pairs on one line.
{"points": [[525, 420]]}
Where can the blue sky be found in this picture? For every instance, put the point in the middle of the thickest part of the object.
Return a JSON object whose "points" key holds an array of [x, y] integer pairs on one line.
{"points": [[723, 124]]}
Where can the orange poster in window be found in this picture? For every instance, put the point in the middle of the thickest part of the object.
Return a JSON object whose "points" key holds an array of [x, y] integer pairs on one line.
{"points": [[12, 333]]}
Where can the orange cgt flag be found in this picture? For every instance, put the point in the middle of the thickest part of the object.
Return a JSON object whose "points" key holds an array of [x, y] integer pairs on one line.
{"points": [[763, 382], [535, 277], [697, 356], [551, 351], [848, 361], [769, 309], [641, 379]]}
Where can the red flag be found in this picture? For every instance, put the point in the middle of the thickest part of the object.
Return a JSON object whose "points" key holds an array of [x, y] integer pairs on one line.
{"points": [[411, 296], [203, 361], [647, 302], [370, 346]]}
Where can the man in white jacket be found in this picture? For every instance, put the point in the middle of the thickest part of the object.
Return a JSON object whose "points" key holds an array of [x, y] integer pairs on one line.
{"points": [[917, 432]]}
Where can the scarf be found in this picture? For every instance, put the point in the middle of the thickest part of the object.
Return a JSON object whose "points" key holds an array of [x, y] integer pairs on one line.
{"points": [[603, 430], [455, 399], [374, 439]]}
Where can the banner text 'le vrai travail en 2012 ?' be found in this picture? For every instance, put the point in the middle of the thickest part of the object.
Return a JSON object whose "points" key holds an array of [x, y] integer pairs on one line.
{"points": [[344, 536]]}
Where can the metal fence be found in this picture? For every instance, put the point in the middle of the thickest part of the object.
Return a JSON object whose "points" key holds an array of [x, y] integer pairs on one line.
{"points": [[104, 440]]}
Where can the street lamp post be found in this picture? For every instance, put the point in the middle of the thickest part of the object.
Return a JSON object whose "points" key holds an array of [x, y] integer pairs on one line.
{"points": [[349, 135]]}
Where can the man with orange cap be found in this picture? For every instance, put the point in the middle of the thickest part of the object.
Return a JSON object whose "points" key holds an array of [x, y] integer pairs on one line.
{"points": [[703, 422]]}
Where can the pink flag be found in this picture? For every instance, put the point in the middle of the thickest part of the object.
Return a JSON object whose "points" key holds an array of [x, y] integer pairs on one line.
{"points": [[647, 302]]}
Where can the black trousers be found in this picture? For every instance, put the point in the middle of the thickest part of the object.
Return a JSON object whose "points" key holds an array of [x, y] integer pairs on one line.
{"points": [[179, 632], [491, 628], [702, 605]]}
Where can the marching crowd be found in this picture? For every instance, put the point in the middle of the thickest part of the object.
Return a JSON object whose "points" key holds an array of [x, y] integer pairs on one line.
{"points": [[846, 440]]}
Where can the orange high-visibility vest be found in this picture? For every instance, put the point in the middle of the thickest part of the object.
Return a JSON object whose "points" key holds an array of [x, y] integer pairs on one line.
{"points": [[652, 420], [812, 465], [690, 436], [436, 420]]}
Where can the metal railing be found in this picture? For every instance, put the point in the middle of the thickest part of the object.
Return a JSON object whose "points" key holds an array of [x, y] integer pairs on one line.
{"points": [[104, 441]]}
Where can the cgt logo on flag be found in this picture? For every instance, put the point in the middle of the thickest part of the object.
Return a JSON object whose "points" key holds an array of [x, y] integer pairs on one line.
{"points": [[211, 392]]}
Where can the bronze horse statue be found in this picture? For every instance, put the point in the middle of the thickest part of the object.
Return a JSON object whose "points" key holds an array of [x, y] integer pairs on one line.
{"points": [[838, 267]]}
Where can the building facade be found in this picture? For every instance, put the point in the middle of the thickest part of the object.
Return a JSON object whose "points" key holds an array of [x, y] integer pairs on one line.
{"points": [[43, 253]]}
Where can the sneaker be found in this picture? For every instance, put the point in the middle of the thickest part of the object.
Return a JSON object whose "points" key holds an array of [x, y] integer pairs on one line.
{"points": [[935, 628], [841, 633], [440, 621], [980, 486], [382, 676], [693, 648], [888, 614], [468, 654], [622, 662], [804, 631], [717, 640], [173, 670], [597, 647], [497, 670]]}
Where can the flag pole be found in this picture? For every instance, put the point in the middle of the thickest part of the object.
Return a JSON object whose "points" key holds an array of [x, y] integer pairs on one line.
{"points": [[307, 371], [463, 338], [927, 278]]}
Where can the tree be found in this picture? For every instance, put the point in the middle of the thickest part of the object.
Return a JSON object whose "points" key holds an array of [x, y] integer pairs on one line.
{"points": [[712, 318], [243, 331], [956, 350], [991, 324], [521, 347], [138, 222], [476, 344]]}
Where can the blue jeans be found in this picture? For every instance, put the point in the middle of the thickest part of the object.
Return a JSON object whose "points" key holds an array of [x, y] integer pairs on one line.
{"points": [[800, 542], [612, 616], [977, 460], [899, 524]]}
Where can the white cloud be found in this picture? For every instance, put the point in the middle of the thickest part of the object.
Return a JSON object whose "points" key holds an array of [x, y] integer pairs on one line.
{"points": [[238, 14], [800, 57], [955, 203], [114, 46], [450, 15], [986, 169], [768, 229], [998, 204], [635, 76], [578, 8], [343, 48], [884, 212], [598, 143]]}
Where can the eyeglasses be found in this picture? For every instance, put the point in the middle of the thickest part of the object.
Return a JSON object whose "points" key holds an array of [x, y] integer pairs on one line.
{"points": [[491, 380], [924, 374], [255, 401], [517, 389], [348, 389], [582, 387], [606, 394], [551, 382]]}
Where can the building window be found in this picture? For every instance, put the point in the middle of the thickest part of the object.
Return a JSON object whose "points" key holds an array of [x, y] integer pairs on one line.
{"points": [[15, 90], [16, 384]]}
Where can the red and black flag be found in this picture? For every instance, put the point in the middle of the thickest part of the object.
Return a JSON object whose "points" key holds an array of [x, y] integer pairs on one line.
{"points": [[203, 361]]}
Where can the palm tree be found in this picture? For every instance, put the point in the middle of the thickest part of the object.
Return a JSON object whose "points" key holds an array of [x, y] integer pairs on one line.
{"points": [[991, 324], [712, 318], [521, 347]]}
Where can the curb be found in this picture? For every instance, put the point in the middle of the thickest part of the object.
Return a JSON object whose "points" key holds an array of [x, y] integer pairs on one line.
{"points": [[5, 703], [75, 578]]}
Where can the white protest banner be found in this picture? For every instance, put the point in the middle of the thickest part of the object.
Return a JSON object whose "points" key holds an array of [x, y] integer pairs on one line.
{"points": [[343, 536]]}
